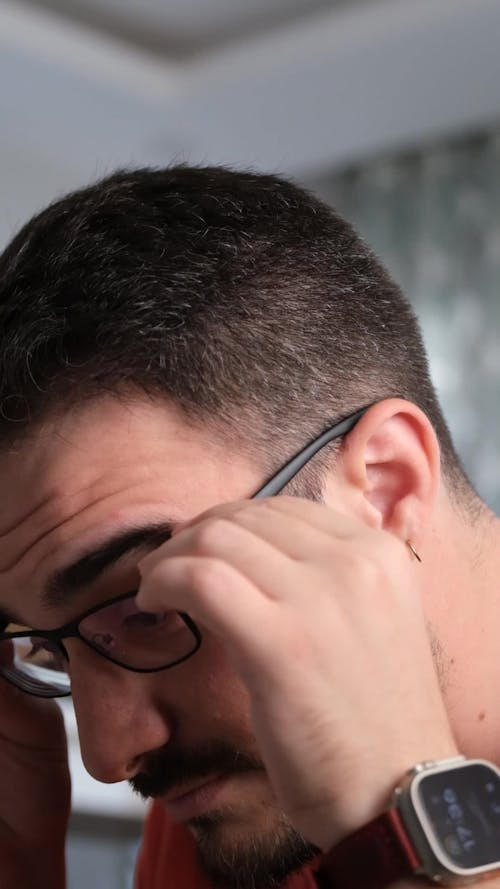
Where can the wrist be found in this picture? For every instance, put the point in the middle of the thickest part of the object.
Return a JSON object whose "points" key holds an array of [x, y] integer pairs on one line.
{"points": [[442, 826], [370, 794]]}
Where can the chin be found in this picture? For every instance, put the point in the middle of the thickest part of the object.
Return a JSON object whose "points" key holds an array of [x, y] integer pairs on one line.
{"points": [[249, 850]]}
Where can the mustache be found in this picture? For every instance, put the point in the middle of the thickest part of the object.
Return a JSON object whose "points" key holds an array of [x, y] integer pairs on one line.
{"points": [[170, 767]]}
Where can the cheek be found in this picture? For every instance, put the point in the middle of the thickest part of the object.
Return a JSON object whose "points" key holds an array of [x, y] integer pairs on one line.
{"points": [[117, 688], [213, 696]]}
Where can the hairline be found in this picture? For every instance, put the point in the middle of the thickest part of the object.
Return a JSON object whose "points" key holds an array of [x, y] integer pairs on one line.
{"points": [[258, 448]]}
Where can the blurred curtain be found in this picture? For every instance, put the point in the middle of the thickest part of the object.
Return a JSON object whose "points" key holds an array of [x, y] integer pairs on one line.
{"points": [[434, 219]]}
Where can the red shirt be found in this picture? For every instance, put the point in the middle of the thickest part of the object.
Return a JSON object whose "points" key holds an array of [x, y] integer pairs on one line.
{"points": [[168, 858]]}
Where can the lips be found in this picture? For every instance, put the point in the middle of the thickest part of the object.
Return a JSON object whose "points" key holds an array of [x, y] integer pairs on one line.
{"points": [[196, 801], [189, 788]]}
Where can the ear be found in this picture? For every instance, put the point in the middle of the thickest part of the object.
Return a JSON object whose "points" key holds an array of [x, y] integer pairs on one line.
{"points": [[388, 470]]}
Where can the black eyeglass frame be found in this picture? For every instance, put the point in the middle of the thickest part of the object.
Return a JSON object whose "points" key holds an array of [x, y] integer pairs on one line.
{"points": [[71, 631], [271, 488]]}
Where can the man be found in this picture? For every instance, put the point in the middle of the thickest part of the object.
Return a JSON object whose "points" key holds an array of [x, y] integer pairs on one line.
{"points": [[169, 340]]}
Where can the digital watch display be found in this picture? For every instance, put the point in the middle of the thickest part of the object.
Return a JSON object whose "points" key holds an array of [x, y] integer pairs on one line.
{"points": [[452, 811], [444, 826], [462, 807]]}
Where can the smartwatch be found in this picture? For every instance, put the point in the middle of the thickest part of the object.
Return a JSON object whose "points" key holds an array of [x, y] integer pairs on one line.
{"points": [[443, 825]]}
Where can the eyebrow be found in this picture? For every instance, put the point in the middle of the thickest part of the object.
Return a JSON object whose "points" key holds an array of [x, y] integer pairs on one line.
{"points": [[91, 565]]}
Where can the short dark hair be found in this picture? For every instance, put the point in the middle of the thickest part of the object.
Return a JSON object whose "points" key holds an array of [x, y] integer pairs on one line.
{"points": [[238, 295]]}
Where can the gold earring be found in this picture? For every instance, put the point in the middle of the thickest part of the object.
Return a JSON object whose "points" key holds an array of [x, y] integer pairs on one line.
{"points": [[414, 551]]}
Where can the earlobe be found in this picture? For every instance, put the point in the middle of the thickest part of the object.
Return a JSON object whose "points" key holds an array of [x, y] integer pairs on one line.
{"points": [[392, 459]]}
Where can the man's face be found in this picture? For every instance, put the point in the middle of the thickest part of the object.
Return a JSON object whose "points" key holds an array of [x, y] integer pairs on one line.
{"points": [[107, 468]]}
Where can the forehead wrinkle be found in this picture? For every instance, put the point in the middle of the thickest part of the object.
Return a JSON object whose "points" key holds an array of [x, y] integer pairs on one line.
{"points": [[53, 501], [26, 517], [33, 543]]}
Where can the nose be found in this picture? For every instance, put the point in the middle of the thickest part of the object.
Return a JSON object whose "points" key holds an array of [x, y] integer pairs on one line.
{"points": [[118, 716]]}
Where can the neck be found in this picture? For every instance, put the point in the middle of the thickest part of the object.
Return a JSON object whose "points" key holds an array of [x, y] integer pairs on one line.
{"points": [[462, 601]]}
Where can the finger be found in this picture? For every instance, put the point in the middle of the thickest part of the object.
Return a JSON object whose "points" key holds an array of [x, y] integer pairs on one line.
{"points": [[290, 530], [210, 590], [291, 526], [218, 536], [345, 530], [318, 516], [227, 604], [272, 572]]}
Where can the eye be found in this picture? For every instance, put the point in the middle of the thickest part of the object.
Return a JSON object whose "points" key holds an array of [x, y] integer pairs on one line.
{"points": [[140, 620], [145, 619]]}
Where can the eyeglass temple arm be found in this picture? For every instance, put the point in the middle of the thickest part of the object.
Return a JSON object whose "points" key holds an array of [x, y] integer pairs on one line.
{"points": [[290, 470]]}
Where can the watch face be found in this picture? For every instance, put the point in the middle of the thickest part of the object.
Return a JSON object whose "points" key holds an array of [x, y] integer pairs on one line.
{"points": [[463, 807]]}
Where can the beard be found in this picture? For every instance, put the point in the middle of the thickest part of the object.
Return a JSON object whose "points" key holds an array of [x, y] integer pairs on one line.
{"points": [[256, 859], [235, 852]]}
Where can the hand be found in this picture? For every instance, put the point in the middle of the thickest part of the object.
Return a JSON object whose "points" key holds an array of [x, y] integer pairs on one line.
{"points": [[322, 620], [35, 791]]}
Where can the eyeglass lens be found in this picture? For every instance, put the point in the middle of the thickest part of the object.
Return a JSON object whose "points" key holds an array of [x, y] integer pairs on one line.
{"points": [[120, 632]]}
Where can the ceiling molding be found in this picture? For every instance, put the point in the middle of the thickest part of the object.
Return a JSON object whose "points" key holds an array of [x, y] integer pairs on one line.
{"points": [[372, 77], [180, 31], [81, 51], [356, 82]]}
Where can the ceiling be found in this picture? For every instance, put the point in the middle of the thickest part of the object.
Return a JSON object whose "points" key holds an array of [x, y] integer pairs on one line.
{"points": [[296, 86], [184, 28]]}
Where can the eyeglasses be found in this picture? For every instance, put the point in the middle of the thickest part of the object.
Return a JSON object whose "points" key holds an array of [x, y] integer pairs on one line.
{"points": [[36, 661]]}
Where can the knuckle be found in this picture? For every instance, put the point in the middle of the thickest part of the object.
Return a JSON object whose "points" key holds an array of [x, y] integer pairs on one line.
{"points": [[206, 575], [210, 534], [157, 576]]}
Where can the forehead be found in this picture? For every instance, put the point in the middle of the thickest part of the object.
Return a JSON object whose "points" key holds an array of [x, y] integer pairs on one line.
{"points": [[100, 467], [105, 444]]}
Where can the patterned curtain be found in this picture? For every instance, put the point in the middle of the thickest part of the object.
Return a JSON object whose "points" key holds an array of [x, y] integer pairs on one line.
{"points": [[434, 219]]}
